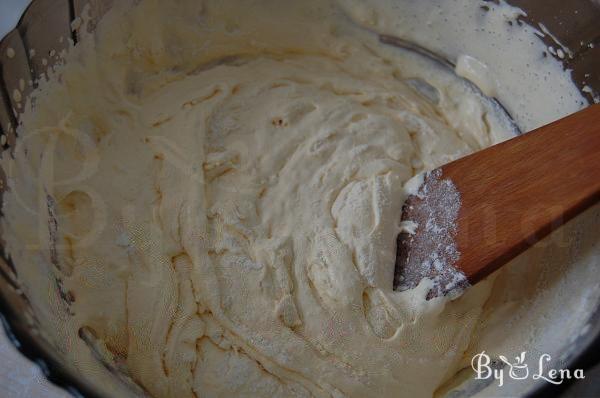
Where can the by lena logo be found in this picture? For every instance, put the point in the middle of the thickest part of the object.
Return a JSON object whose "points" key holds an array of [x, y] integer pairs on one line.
{"points": [[519, 370]]}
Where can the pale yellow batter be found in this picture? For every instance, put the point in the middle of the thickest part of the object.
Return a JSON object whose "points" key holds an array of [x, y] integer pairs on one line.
{"points": [[208, 199]]}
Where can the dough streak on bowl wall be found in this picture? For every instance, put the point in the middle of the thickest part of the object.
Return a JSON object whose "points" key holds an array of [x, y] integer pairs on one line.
{"points": [[206, 197]]}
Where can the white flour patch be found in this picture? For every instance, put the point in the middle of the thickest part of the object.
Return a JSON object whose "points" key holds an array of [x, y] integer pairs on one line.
{"points": [[430, 251]]}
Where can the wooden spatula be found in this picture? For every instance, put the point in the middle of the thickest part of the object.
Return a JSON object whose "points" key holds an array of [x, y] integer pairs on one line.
{"points": [[475, 214]]}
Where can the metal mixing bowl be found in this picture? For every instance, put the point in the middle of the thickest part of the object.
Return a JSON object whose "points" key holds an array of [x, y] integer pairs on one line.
{"points": [[46, 27]]}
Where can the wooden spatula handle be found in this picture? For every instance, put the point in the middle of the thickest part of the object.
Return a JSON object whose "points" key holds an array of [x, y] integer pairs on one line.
{"points": [[515, 193]]}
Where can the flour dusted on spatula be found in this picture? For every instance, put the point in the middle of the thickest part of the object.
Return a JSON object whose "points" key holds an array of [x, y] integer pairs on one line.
{"points": [[427, 247]]}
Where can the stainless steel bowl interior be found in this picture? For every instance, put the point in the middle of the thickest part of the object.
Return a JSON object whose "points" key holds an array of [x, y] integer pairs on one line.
{"points": [[45, 29]]}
